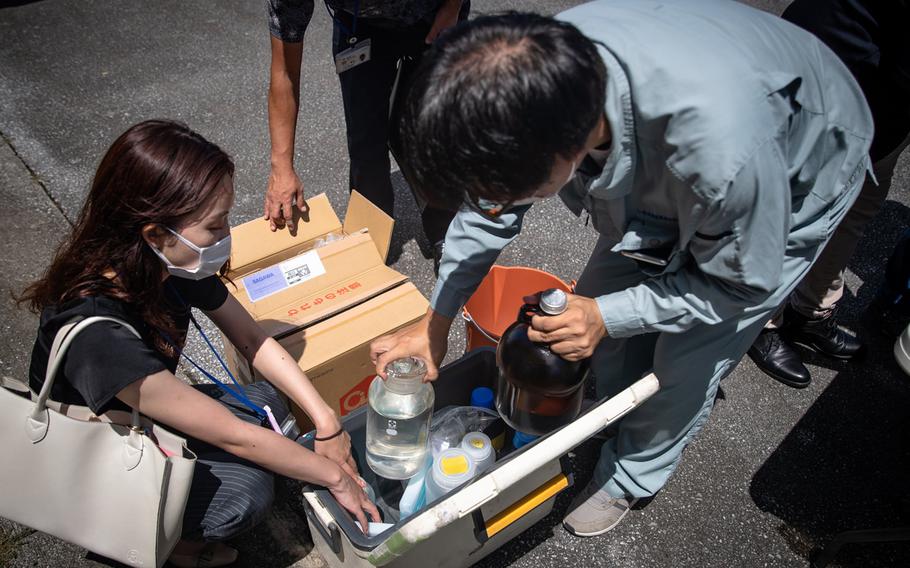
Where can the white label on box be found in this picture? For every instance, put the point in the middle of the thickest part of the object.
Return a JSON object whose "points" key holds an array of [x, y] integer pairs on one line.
{"points": [[283, 275]]}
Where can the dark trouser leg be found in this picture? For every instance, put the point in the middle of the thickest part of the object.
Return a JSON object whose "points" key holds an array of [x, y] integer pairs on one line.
{"points": [[820, 291], [365, 90]]}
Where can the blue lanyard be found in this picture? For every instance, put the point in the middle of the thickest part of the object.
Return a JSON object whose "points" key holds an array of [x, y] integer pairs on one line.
{"points": [[239, 394], [352, 33]]}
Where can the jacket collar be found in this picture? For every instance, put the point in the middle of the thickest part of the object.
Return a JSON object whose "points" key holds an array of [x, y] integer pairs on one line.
{"points": [[617, 176], [615, 179]]}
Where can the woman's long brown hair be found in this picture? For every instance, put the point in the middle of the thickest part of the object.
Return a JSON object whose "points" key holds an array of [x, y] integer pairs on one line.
{"points": [[158, 171]]}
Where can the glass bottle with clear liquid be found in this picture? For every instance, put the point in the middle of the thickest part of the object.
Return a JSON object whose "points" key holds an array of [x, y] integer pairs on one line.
{"points": [[398, 419]]}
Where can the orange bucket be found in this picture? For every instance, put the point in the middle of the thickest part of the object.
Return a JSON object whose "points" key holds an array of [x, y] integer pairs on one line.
{"points": [[495, 304]]}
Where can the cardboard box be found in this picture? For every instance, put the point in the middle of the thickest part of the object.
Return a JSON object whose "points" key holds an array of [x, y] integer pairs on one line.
{"points": [[324, 292]]}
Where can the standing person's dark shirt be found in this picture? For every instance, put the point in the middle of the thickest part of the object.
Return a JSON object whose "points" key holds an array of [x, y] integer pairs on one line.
{"points": [[288, 19], [105, 357], [872, 39]]}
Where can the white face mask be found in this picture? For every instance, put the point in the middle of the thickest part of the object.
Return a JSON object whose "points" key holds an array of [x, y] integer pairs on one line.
{"points": [[211, 258]]}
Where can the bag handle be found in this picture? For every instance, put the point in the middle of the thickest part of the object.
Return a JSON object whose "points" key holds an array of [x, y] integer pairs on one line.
{"points": [[62, 342], [38, 420]]}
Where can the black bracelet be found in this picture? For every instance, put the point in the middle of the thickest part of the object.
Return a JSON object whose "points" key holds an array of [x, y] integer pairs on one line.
{"points": [[327, 438]]}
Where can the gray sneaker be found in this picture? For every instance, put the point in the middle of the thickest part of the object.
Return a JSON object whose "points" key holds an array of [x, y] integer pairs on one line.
{"points": [[594, 512]]}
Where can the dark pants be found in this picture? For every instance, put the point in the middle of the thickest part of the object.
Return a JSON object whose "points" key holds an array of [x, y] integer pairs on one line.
{"points": [[230, 495], [366, 90]]}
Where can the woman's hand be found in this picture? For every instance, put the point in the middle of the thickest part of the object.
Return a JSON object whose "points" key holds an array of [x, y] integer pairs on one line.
{"points": [[338, 449], [354, 499]]}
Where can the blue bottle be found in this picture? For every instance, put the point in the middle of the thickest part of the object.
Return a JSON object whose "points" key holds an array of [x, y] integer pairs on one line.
{"points": [[483, 397], [522, 439]]}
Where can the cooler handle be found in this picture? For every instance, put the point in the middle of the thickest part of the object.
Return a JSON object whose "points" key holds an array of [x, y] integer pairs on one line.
{"points": [[322, 520], [485, 529]]}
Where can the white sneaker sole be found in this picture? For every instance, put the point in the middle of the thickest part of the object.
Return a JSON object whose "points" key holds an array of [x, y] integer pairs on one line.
{"points": [[602, 531]]}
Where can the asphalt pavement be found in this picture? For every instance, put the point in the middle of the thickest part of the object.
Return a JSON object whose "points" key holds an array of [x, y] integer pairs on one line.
{"points": [[775, 473]]}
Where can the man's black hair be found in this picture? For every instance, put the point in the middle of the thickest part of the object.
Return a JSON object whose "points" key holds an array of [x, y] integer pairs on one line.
{"points": [[492, 104]]}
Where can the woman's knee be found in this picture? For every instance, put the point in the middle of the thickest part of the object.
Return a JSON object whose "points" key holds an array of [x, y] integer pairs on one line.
{"points": [[248, 505], [260, 497]]}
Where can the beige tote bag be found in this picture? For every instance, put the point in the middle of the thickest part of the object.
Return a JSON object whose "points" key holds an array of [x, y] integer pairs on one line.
{"points": [[100, 482]]}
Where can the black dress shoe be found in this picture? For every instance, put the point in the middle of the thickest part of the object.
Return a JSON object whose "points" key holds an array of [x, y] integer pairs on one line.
{"points": [[820, 335], [438, 249], [780, 361]]}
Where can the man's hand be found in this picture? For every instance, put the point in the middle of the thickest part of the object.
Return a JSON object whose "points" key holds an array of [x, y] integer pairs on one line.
{"points": [[284, 193], [573, 334], [426, 340], [446, 17]]}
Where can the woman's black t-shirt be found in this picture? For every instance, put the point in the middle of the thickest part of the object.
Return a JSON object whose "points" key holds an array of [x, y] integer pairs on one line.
{"points": [[106, 357]]}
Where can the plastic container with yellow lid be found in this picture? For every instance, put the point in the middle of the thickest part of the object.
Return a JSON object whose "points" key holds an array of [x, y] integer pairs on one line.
{"points": [[480, 448], [451, 468]]}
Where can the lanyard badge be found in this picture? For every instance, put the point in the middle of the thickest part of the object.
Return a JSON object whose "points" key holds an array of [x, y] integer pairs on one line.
{"points": [[359, 51], [353, 56]]}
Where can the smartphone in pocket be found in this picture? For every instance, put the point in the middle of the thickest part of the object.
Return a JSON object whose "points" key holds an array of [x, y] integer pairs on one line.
{"points": [[653, 256]]}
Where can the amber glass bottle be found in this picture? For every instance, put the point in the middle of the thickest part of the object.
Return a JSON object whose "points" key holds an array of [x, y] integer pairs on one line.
{"points": [[538, 391]]}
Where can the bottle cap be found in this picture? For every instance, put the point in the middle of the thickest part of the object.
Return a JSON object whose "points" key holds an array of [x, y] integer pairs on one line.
{"points": [[406, 367], [405, 375], [454, 465], [452, 468], [521, 439], [477, 444], [483, 397], [553, 301], [480, 448]]}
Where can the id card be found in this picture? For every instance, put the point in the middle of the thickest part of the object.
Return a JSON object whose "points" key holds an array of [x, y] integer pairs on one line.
{"points": [[353, 56]]}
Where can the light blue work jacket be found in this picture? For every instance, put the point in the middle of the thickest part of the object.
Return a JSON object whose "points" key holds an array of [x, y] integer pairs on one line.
{"points": [[738, 140]]}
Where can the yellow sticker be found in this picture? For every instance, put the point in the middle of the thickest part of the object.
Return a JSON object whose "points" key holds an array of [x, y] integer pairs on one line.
{"points": [[454, 466], [477, 443]]}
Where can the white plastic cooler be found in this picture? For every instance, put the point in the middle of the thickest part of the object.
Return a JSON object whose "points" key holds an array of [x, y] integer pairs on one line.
{"points": [[471, 522]]}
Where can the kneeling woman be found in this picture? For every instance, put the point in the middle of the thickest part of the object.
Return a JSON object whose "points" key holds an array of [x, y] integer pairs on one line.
{"points": [[151, 241]]}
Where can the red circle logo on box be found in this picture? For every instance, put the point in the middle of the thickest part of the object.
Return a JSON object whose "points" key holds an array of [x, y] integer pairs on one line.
{"points": [[356, 397]]}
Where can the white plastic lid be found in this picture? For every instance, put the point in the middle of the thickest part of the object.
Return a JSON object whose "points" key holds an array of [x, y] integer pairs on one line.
{"points": [[478, 446], [452, 468]]}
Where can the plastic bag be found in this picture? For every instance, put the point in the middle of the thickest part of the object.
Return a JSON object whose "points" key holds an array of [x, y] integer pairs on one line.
{"points": [[328, 238], [450, 425]]}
